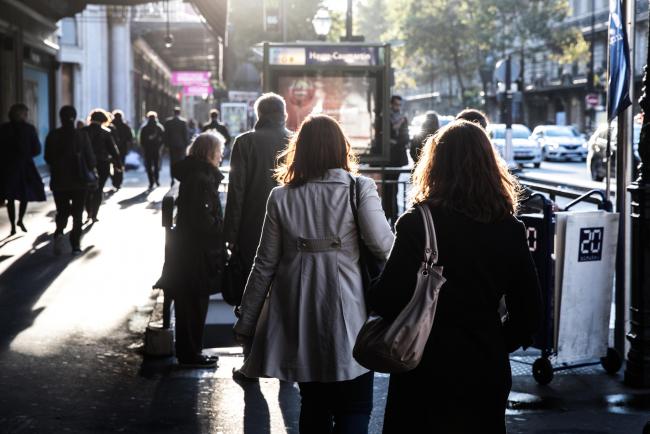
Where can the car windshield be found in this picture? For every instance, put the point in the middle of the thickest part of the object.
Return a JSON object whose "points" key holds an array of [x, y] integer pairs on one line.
{"points": [[560, 132], [518, 132]]}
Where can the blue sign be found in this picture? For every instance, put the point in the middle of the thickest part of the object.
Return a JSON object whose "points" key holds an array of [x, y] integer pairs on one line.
{"points": [[618, 85]]}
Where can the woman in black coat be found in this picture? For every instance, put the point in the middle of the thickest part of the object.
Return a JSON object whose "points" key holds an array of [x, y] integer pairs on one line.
{"points": [[19, 179], [194, 262], [462, 383]]}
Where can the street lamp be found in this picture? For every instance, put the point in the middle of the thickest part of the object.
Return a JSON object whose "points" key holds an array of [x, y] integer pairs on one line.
{"points": [[169, 39], [322, 23]]}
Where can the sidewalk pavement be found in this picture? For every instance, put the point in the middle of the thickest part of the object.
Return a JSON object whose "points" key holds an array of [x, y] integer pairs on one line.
{"points": [[71, 333]]}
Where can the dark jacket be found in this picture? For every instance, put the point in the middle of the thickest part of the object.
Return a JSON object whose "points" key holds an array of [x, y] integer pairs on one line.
{"points": [[194, 261], [62, 147], [466, 356], [177, 135], [123, 136], [152, 135], [221, 129], [19, 179], [103, 144], [399, 140], [254, 156]]}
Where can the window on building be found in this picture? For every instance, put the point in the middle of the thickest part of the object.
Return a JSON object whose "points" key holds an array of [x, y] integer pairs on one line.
{"points": [[68, 28]]}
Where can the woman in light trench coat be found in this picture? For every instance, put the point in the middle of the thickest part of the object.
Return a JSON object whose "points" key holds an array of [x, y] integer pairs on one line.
{"points": [[304, 304]]}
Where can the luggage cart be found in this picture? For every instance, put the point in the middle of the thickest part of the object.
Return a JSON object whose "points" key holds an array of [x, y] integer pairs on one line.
{"points": [[540, 224]]}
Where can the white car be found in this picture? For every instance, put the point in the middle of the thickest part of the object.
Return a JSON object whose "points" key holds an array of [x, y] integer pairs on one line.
{"points": [[560, 142], [524, 149]]}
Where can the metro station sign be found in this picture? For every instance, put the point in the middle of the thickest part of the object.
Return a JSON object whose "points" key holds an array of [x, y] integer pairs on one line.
{"points": [[324, 55]]}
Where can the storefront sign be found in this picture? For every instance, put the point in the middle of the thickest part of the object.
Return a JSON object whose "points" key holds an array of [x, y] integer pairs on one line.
{"points": [[197, 90], [190, 78]]}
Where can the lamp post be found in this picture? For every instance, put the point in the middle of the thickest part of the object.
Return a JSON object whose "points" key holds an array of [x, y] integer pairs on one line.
{"points": [[637, 369], [486, 72], [322, 23]]}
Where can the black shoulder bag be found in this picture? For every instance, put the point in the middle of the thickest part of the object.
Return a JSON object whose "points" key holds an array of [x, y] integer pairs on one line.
{"points": [[371, 266]]}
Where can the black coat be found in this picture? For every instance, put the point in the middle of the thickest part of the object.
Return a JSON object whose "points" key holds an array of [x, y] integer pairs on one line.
{"points": [[19, 179], [177, 135], [103, 143], [194, 260], [152, 135], [123, 136], [61, 148], [464, 375], [254, 156], [221, 129]]}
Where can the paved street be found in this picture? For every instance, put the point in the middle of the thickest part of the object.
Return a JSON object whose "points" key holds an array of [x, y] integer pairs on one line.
{"points": [[570, 172], [71, 337]]}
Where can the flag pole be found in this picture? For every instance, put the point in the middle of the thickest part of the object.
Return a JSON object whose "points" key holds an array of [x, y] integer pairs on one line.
{"points": [[608, 148]]}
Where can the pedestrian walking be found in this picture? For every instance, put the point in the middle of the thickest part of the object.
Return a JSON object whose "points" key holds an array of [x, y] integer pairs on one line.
{"points": [[192, 128], [105, 152], [464, 372], [304, 301], [19, 179], [123, 137], [177, 138], [429, 128], [151, 139], [214, 124], [253, 161], [194, 270], [70, 157]]}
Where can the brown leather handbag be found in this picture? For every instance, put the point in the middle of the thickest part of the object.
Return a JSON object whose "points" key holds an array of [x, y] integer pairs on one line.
{"points": [[397, 346]]}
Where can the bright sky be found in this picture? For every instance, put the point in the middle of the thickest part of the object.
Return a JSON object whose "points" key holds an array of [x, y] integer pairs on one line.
{"points": [[336, 5]]}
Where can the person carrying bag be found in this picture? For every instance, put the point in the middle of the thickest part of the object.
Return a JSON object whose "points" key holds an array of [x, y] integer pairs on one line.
{"points": [[397, 346], [483, 250]]}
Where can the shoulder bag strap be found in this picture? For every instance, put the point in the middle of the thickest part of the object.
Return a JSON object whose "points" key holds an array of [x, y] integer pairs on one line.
{"points": [[431, 242], [353, 202]]}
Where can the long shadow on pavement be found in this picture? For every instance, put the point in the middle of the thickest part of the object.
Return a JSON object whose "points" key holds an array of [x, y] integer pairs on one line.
{"points": [[23, 283], [139, 198]]}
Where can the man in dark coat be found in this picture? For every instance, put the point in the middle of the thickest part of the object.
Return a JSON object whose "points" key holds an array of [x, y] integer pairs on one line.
{"points": [[399, 141], [254, 157], [214, 124], [69, 154], [19, 179], [105, 151], [123, 137], [177, 138], [151, 140]]}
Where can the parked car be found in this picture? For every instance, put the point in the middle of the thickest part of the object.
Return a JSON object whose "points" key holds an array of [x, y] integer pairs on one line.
{"points": [[560, 142], [597, 147], [524, 149]]}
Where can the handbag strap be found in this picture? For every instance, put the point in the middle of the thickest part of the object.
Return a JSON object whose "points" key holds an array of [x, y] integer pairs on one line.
{"points": [[430, 240], [354, 202]]}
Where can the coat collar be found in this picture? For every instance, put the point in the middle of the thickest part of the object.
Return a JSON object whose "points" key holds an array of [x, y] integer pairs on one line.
{"points": [[334, 175]]}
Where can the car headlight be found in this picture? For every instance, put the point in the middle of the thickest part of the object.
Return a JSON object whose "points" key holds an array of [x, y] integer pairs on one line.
{"points": [[554, 145], [584, 144]]}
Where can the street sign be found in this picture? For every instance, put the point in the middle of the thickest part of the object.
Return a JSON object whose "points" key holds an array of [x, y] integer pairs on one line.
{"points": [[190, 78], [592, 100], [500, 71]]}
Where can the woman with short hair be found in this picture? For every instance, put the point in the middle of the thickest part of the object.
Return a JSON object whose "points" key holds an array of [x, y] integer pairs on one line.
{"points": [[194, 262], [304, 303], [483, 251]]}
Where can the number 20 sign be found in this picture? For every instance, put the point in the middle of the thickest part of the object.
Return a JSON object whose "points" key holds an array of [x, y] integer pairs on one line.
{"points": [[591, 244]]}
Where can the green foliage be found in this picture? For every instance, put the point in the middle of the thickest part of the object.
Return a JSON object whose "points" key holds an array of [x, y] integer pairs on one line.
{"points": [[453, 38]]}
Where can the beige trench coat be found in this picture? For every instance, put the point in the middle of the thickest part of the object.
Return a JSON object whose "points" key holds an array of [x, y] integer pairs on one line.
{"points": [[304, 301]]}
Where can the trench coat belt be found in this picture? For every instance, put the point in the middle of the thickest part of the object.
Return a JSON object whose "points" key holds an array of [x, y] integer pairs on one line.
{"points": [[318, 244]]}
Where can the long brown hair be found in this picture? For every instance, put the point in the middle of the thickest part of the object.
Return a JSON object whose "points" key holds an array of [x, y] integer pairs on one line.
{"points": [[318, 145], [459, 169]]}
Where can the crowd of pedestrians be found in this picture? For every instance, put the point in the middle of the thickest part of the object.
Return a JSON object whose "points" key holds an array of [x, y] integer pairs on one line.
{"points": [[290, 244]]}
